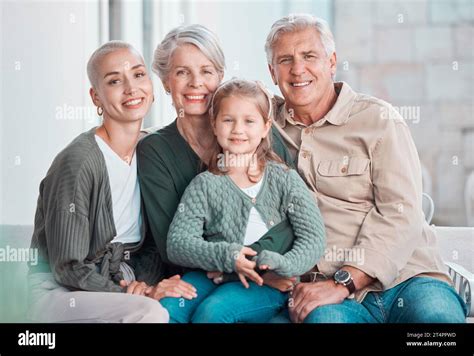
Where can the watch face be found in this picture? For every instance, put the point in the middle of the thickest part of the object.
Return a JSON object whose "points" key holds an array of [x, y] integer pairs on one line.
{"points": [[342, 276]]}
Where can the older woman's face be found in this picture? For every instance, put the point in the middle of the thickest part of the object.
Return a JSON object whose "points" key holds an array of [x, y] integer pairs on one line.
{"points": [[123, 89], [192, 80], [301, 67]]}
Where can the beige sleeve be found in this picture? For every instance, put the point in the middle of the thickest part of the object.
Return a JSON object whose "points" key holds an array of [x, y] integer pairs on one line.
{"points": [[393, 227]]}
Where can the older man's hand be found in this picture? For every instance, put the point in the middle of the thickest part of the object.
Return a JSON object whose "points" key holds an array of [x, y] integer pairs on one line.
{"points": [[308, 296]]}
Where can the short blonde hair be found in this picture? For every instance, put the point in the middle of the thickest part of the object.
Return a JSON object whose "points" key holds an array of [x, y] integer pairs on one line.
{"points": [[101, 52]]}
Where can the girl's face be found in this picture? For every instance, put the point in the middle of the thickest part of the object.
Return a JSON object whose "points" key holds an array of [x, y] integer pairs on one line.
{"points": [[239, 126], [192, 80], [123, 89]]}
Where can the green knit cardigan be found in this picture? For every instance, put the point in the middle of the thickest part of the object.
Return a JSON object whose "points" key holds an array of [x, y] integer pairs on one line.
{"points": [[208, 229]]}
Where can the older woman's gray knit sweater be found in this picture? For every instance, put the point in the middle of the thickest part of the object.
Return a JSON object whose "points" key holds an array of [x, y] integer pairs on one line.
{"points": [[208, 229]]}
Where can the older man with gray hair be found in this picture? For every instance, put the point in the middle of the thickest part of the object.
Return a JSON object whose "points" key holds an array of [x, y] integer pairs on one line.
{"points": [[356, 154]]}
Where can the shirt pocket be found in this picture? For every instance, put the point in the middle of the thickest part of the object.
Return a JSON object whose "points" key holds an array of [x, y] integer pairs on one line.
{"points": [[347, 179]]}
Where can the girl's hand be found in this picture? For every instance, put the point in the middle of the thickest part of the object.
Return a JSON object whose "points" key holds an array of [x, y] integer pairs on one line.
{"points": [[134, 287], [246, 268], [172, 287], [278, 282]]}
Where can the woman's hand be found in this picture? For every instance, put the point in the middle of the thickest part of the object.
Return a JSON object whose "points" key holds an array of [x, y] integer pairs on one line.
{"points": [[134, 287], [246, 268], [273, 280], [216, 276], [172, 287]]}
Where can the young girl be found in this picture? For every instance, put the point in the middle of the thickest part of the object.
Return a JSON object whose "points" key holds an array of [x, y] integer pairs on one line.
{"points": [[245, 192]]}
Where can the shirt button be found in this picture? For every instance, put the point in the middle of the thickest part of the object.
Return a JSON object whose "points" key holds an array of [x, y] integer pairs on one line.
{"points": [[305, 155], [307, 131], [271, 223], [343, 169], [254, 200]]}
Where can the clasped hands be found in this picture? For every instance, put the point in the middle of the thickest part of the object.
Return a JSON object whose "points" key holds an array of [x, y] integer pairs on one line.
{"points": [[246, 268]]}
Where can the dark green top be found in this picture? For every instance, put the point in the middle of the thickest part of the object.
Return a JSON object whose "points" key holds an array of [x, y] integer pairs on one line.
{"points": [[166, 166]]}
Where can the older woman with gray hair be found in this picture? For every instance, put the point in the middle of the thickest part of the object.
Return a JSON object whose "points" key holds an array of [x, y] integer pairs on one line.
{"points": [[190, 64], [95, 264]]}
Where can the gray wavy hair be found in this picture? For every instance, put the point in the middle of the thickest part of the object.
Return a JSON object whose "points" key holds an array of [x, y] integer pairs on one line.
{"points": [[197, 35], [297, 22], [101, 52]]}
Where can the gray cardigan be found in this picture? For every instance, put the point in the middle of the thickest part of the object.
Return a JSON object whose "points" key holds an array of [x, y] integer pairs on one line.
{"points": [[209, 227], [74, 224]]}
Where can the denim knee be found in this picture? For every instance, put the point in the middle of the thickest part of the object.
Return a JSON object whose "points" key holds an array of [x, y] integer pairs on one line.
{"points": [[331, 313], [213, 310], [176, 308], [349, 311], [282, 318], [428, 300], [181, 309], [232, 303]]}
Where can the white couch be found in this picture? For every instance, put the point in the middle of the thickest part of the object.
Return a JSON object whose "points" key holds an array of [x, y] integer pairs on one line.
{"points": [[456, 245]]}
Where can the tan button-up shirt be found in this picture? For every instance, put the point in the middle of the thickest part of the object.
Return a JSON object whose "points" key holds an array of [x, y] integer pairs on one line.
{"points": [[362, 165]]}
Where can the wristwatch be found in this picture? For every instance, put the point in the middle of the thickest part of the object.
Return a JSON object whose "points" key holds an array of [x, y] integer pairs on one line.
{"points": [[344, 277]]}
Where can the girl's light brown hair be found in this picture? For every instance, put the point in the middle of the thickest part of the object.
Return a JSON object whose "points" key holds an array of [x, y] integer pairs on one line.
{"points": [[256, 93]]}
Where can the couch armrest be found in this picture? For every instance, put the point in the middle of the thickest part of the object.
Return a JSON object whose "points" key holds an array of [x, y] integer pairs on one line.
{"points": [[464, 283]]}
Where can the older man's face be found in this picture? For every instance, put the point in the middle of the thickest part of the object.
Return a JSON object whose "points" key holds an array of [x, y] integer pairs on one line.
{"points": [[302, 69]]}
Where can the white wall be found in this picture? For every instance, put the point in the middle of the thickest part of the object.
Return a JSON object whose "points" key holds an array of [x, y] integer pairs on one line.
{"points": [[418, 55], [1, 112], [44, 91], [44, 88], [132, 24]]}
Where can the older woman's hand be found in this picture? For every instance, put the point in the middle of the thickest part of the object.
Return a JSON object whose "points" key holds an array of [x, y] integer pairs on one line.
{"points": [[216, 276], [134, 287], [283, 284], [172, 287]]}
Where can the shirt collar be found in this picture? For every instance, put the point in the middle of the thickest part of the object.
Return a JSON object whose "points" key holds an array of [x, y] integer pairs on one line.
{"points": [[338, 115]]}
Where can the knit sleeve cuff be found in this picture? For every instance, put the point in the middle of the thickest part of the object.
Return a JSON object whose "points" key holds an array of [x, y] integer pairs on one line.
{"points": [[274, 261], [231, 256]]}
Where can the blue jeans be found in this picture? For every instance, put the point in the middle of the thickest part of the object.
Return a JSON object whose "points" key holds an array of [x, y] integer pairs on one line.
{"points": [[227, 303], [417, 300]]}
